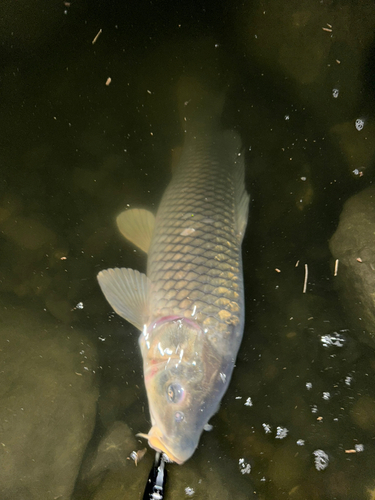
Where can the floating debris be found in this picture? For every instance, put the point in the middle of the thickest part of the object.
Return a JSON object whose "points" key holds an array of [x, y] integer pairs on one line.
{"points": [[359, 124], [359, 173], [267, 428], [97, 36], [281, 432], [335, 338], [321, 459], [336, 267], [245, 468], [305, 280]]}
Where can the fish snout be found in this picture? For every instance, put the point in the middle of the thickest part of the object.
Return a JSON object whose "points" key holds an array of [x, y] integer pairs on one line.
{"points": [[178, 449]]}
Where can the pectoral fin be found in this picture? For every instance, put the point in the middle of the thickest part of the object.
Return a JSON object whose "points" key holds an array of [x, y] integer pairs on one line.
{"points": [[127, 292], [137, 225]]}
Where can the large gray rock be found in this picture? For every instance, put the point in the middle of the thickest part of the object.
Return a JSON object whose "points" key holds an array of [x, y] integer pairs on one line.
{"points": [[354, 245], [113, 452], [47, 405], [109, 472]]}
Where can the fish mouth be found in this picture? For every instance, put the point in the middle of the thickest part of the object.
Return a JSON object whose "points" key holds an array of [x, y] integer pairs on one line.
{"points": [[154, 438]]}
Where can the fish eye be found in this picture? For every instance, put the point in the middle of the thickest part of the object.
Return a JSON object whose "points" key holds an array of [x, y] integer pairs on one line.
{"points": [[179, 416], [175, 393]]}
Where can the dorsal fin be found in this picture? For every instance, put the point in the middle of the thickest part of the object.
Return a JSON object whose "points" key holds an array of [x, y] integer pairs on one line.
{"points": [[137, 226], [241, 197]]}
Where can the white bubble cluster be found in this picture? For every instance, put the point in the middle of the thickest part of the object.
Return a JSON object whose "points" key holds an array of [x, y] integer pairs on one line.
{"points": [[321, 459], [308, 385], [326, 396], [189, 491], [335, 93], [281, 432], [332, 339], [245, 468], [359, 124], [301, 442], [267, 428], [248, 402]]}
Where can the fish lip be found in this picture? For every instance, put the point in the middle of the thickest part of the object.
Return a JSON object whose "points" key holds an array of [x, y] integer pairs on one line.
{"points": [[155, 441]]}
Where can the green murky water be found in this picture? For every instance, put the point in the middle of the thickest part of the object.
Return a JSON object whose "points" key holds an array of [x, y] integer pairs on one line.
{"points": [[89, 129]]}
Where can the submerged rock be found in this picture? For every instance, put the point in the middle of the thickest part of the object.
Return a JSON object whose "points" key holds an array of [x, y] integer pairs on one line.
{"points": [[28, 232], [111, 469], [47, 405], [113, 451], [353, 244]]}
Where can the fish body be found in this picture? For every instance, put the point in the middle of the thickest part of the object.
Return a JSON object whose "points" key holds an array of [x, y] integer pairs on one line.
{"points": [[190, 307]]}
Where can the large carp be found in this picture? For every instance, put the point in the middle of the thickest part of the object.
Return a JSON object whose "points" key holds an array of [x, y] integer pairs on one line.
{"points": [[190, 307]]}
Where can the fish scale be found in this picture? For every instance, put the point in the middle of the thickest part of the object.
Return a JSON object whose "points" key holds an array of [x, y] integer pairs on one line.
{"points": [[200, 272]]}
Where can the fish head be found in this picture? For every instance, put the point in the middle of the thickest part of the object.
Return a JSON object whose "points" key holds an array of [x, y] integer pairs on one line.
{"points": [[185, 381]]}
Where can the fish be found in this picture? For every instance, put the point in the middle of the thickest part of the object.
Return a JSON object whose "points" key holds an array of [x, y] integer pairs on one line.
{"points": [[189, 307]]}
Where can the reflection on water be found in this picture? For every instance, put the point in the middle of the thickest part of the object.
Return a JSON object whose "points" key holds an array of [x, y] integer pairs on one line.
{"points": [[299, 418]]}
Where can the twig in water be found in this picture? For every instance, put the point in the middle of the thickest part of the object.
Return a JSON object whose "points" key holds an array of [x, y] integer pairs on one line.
{"points": [[306, 276], [336, 267], [97, 35]]}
